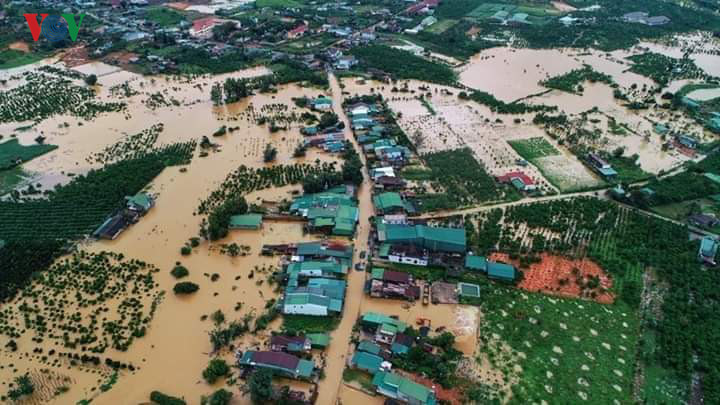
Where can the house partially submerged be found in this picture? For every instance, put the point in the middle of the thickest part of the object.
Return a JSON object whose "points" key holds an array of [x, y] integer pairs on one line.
{"points": [[434, 239], [284, 364], [291, 344], [386, 283], [246, 221], [328, 212]]}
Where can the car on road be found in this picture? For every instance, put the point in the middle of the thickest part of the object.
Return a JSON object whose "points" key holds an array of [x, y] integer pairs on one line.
{"points": [[359, 266], [363, 254]]}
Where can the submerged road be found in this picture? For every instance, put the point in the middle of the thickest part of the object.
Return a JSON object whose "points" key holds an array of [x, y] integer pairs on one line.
{"points": [[337, 354]]}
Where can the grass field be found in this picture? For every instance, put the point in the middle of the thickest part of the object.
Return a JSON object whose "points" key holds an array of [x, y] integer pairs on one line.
{"points": [[164, 16], [11, 58], [11, 152], [9, 179], [278, 3], [441, 26], [533, 148], [580, 351], [628, 171]]}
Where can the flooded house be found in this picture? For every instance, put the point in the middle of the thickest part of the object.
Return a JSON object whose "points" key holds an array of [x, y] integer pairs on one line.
{"points": [[385, 283], [402, 389], [601, 166], [291, 344], [283, 364]]}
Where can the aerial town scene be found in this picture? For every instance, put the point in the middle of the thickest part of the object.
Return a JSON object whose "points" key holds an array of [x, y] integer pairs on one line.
{"points": [[359, 202]]}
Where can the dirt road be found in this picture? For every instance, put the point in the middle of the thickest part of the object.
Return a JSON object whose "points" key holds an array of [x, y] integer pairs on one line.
{"points": [[337, 351]]}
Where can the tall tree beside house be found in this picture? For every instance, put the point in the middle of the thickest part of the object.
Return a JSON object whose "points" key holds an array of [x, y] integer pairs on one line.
{"points": [[260, 386]]}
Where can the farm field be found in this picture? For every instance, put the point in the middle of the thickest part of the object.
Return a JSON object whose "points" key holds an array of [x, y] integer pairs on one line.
{"points": [[12, 152], [565, 348]]}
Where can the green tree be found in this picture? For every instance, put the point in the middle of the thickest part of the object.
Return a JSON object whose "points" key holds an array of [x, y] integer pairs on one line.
{"points": [[260, 385], [217, 368], [91, 80], [24, 387]]}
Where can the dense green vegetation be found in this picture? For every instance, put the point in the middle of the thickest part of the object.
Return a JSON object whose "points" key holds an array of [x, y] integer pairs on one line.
{"points": [[572, 80], [185, 287], [217, 369], [502, 107], [687, 185], [163, 399], [625, 243], [13, 153], [464, 181], [42, 226], [439, 367], [309, 324], [386, 59], [663, 69]]}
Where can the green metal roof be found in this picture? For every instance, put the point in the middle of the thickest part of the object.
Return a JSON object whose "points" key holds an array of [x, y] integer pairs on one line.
{"points": [[709, 247], [247, 221], [387, 201], [305, 298], [501, 270], [330, 267], [380, 319], [407, 388], [142, 200], [305, 368], [473, 262], [366, 361], [319, 339], [384, 250], [398, 348], [377, 273], [368, 346]]}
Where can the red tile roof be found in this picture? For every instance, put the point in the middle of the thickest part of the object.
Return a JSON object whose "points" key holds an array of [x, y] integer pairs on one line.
{"points": [[204, 23], [298, 30], [396, 276], [517, 175]]}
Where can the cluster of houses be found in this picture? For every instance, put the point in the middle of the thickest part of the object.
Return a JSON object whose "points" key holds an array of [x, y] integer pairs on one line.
{"points": [[331, 139], [135, 207], [641, 17], [383, 338], [332, 212], [315, 278]]}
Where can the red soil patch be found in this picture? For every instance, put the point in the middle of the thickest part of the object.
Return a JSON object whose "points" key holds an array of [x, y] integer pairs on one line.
{"points": [[452, 396], [20, 46], [684, 150], [76, 56], [557, 275], [120, 58]]}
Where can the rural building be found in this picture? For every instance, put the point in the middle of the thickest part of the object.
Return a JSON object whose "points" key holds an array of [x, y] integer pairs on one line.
{"points": [[435, 239], [281, 363], [202, 27], [501, 271], [323, 250], [401, 344], [384, 327], [297, 32], [687, 141], [303, 303], [402, 389], [112, 227], [329, 212], [247, 221], [519, 180], [407, 254], [368, 362], [140, 202], [478, 263], [369, 347], [601, 166], [345, 62], [390, 183], [318, 340], [385, 283], [708, 250], [317, 269], [322, 104], [703, 220], [391, 203], [293, 344]]}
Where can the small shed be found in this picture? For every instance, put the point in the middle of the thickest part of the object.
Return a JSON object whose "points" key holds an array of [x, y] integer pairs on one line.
{"points": [[247, 221]]}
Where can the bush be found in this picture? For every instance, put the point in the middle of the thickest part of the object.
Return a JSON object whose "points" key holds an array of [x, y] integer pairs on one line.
{"points": [[179, 271], [185, 287], [185, 250], [91, 80], [162, 399], [219, 397], [217, 368]]}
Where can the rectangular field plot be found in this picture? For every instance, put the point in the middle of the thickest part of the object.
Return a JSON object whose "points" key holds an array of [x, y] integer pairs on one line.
{"points": [[533, 148]]}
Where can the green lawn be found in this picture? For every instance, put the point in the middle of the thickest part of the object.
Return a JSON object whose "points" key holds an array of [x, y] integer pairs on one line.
{"points": [[12, 151], [9, 179], [10, 58], [628, 171], [310, 324], [164, 16], [533, 148]]}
